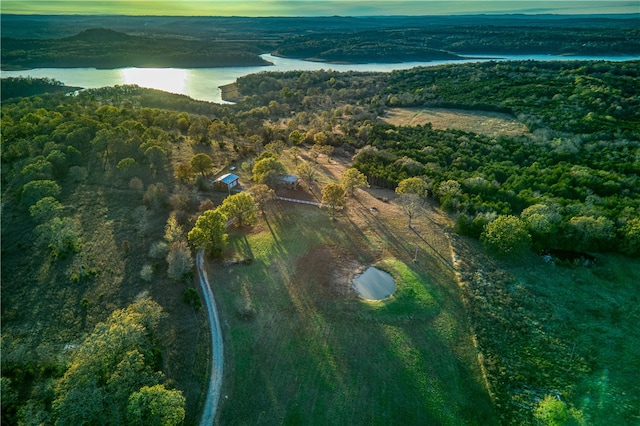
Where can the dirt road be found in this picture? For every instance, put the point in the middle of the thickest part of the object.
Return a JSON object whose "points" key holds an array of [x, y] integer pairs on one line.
{"points": [[217, 361]]}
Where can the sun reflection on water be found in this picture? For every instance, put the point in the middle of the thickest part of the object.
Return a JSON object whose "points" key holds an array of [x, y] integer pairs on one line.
{"points": [[167, 79]]}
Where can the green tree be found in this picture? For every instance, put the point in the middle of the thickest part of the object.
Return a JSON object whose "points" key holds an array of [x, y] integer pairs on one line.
{"points": [[59, 161], [506, 235], [126, 165], [413, 185], [240, 207], [35, 190], [104, 143], [296, 137], [542, 221], [268, 171], [590, 233], [209, 232], [191, 297], [199, 129], [320, 138], [631, 237], [60, 235], [45, 209], [113, 362], [448, 194], [333, 196], [156, 406], [156, 157], [202, 163], [353, 178], [38, 168]]}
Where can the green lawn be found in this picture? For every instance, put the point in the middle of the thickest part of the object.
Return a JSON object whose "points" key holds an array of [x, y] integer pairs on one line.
{"points": [[302, 350]]}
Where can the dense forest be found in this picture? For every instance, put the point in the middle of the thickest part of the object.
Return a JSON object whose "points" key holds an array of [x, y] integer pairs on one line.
{"points": [[91, 181], [424, 44], [577, 170], [106, 48], [108, 42]]}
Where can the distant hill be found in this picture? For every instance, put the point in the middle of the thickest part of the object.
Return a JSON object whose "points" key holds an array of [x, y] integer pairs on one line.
{"points": [[100, 35], [204, 42]]}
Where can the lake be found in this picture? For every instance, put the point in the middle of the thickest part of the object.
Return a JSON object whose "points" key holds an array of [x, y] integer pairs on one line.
{"points": [[203, 83]]}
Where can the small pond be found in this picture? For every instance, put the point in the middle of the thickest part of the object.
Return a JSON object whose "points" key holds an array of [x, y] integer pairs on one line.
{"points": [[374, 284]]}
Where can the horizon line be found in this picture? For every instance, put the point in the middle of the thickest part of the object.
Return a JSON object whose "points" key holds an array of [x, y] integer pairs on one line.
{"points": [[462, 14]]}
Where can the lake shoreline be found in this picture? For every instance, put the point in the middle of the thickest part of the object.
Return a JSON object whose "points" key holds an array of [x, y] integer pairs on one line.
{"points": [[216, 84]]}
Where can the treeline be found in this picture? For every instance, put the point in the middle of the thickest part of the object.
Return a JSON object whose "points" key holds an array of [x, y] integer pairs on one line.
{"points": [[569, 198], [577, 171], [577, 97], [362, 48], [448, 41], [104, 48], [215, 42], [22, 87], [62, 157]]}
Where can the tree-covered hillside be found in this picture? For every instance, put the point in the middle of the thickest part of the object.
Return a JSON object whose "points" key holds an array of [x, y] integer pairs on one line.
{"points": [[577, 169], [99, 190]]}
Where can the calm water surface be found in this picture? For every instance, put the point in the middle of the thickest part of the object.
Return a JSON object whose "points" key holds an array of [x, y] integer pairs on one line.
{"points": [[203, 83], [374, 284]]}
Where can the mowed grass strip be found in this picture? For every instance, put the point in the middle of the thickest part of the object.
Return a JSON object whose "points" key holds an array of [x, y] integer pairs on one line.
{"points": [[300, 351]]}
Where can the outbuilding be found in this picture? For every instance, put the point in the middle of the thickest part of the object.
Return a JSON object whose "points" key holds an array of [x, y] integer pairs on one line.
{"points": [[290, 181], [226, 182]]}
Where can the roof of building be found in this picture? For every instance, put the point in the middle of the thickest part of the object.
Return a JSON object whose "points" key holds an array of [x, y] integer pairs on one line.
{"points": [[289, 179], [228, 178]]}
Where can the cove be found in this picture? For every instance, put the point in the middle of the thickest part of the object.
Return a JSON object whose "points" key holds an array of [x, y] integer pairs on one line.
{"points": [[204, 83], [374, 284]]}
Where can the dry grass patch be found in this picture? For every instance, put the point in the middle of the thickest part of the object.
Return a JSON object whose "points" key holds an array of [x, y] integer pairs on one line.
{"points": [[482, 122]]}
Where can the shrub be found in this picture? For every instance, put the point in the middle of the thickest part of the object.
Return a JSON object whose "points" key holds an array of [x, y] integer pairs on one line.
{"points": [[191, 297]]}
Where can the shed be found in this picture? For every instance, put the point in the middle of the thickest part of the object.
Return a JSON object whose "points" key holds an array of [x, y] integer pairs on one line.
{"points": [[290, 181], [226, 182]]}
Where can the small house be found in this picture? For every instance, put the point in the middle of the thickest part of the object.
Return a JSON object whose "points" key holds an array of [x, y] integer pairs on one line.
{"points": [[226, 182], [290, 181]]}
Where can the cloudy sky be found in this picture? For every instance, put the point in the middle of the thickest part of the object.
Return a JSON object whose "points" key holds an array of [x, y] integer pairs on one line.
{"points": [[315, 7]]}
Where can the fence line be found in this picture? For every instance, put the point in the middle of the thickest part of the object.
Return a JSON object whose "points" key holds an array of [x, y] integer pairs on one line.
{"points": [[295, 200]]}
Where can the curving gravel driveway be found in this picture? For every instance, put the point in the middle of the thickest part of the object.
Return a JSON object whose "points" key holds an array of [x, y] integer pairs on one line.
{"points": [[217, 360]]}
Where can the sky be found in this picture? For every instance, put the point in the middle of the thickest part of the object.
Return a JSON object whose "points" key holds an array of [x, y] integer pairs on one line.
{"points": [[315, 7]]}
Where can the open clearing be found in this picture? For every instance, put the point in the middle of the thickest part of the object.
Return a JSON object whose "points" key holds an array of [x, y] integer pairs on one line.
{"points": [[483, 122], [301, 348]]}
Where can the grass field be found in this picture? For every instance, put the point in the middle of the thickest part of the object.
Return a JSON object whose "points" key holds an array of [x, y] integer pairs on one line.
{"points": [[565, 331], [302, 349], [483, 122]]}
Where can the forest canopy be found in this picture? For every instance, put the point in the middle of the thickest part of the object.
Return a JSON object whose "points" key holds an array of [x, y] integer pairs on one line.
{"points": [[109, 164]]}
